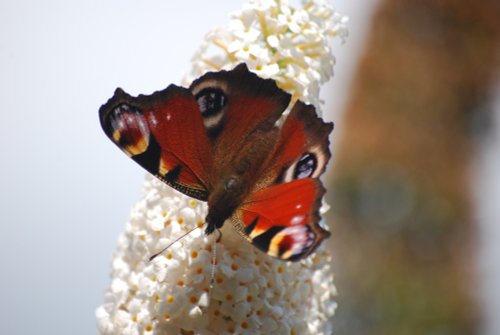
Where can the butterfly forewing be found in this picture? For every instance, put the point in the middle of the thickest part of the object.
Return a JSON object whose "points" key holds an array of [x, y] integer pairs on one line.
{"points": [[302, 150], [235, 104], [164, 133]]}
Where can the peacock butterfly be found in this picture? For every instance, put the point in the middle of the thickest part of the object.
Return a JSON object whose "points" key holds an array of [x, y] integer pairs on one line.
{"points": [[219, 141]]}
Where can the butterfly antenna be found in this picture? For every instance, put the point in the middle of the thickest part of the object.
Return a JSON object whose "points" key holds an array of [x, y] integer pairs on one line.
{"points": [[168, 246]]}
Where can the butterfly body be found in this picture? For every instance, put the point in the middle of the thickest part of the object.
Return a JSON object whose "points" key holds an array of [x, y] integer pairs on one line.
{"points": [[218, 141], [236, 178]]}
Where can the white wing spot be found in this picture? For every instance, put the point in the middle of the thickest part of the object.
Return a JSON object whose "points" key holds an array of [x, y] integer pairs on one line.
{"points": [[301, 236], [297, 219]]}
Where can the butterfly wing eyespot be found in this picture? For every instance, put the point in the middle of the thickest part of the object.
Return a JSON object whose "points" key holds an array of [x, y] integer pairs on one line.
{"points": [[305, 166], [128, 129], [242, 101], [302, 149], [212, 101], [283, 220]]}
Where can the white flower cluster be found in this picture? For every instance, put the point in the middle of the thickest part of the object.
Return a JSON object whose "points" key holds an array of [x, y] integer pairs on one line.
{"points": [[275, 40], [252, 293]]}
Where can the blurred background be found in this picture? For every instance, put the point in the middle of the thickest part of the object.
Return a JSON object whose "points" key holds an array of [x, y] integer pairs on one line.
{"points": [[414, 181]]}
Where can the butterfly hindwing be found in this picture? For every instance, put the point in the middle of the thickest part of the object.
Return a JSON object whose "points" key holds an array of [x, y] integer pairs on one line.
{"points": [[283, 220], [164, 133]]}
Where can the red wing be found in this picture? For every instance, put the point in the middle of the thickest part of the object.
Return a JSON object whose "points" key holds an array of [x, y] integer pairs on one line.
{"points": [[234, 104], [283, 220], [302, 148], [164, 133]]}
